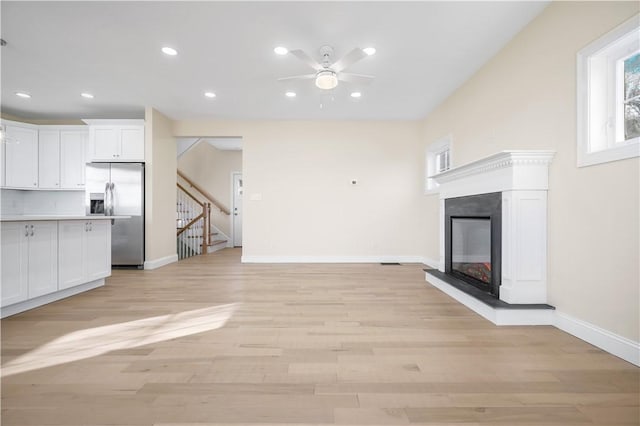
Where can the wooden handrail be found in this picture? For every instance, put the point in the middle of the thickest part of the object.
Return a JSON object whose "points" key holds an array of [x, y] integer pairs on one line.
{"points": [[190, 195], [204, 192], [188, 225]]}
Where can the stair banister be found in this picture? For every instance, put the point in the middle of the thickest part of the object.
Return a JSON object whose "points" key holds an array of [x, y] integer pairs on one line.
{"points": [[204, 192]]}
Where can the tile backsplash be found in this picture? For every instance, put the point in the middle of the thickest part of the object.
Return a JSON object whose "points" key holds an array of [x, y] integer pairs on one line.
{"points": [[16, 202]]}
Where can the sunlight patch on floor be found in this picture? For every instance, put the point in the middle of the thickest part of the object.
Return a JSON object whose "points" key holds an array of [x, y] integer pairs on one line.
{"points": [[97, 341]]}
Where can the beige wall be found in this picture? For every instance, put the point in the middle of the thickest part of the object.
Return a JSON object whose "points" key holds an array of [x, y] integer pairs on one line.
{"points": [[302, 172], [160, 187], [211, 168], [524, 98]]}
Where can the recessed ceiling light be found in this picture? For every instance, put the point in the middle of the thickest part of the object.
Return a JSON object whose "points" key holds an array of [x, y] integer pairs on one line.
{"points": [[281, 50], [87, 95], [210, 94], [23, 95], [290, 94], [169, 51], [369, 50], [356, 94]]}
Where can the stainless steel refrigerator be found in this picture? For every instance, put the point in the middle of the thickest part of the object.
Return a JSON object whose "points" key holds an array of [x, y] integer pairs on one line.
{"points": [[117, 189]]}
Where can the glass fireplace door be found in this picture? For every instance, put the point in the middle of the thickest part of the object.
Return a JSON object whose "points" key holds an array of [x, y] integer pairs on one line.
{"points": [[471, 248]]}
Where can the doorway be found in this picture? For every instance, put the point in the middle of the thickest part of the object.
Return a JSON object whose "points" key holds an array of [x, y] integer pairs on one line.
{"points": [[236, 203]]}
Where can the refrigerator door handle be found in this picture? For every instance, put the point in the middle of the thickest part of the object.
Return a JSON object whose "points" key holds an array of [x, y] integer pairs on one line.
{"points": [[112, 199], [106, 198], [111, 208]]}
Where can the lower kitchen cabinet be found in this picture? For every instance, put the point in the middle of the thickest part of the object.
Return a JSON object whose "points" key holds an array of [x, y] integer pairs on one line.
{"points": [[84, 251], [29, 260]]}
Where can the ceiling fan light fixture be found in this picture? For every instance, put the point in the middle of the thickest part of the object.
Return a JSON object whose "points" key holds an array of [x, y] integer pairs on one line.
{"points": [[280, 50], [326, 80], [170, 51]]}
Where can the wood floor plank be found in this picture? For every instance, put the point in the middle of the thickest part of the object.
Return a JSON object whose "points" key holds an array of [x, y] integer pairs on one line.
{"points": [[209, 341]]}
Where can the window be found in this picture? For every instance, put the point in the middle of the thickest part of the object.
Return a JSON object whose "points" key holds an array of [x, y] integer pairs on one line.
{"points": [[609, 96], [438, 160]]}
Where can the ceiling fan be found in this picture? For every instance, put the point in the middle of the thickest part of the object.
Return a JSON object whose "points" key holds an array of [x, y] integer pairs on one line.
{"points": [[329, 72]]}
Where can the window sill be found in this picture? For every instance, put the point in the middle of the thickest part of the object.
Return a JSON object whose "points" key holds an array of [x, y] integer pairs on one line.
{"points": [[629, 150]]}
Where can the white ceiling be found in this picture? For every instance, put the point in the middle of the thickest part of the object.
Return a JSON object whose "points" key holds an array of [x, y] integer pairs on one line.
{"points": [[226, 144], [425, 50]]}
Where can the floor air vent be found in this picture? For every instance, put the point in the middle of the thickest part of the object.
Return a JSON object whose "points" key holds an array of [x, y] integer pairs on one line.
{"points": [[390, 263]]}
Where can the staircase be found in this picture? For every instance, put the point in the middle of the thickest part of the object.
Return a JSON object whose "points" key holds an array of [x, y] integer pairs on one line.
{"points": [[195, 233]]}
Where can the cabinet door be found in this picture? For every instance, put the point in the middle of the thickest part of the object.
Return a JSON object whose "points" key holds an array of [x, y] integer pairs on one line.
{"points": [[43, 258], [14, 263], [49, 159], [21, 157], [132, 143], [71, 258], [98, 250], [72, 159], [105, 143]]}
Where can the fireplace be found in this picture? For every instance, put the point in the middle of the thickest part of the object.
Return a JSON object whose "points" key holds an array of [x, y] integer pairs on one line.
{"points": [[473, 240]]}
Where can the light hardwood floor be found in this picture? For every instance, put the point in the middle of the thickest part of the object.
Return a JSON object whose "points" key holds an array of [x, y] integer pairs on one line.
{"points": [[211, 341]]}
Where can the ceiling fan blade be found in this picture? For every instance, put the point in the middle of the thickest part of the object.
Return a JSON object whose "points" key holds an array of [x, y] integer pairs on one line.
{"points": [[355, 78], [300, 54], [298, 77], [349, 59]]}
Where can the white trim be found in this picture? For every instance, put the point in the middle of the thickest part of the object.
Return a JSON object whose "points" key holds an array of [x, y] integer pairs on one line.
{"points": [[610, 342], [497, 316], [157, 263], [445, 143], [333, 259], [233, 206], [431, 262], [48, 298], [112, 122], [503, 160], [588, 77]]}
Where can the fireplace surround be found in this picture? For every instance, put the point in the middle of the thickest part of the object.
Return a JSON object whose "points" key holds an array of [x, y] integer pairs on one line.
{"points": [[473, 240], [510, 190]]}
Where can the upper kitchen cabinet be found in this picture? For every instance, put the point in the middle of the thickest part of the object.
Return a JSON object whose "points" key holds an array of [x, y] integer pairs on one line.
{"points": [[116, 140], [49, 159], [21, 155], [62, 160], [73, 145]]}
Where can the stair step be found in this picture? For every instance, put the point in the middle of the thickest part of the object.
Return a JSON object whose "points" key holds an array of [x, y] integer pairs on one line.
{"points": [[216, 242]]}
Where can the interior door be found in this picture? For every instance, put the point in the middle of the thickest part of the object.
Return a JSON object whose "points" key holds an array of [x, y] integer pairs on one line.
{"points": [[237, 210]]}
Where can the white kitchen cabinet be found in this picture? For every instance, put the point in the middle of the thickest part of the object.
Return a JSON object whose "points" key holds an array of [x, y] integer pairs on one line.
{"points": [[73, 158], [85, 251], [43, 258], [29, 260], [49, 159], [116, 142], [15, 263], [21, 156], [98, 250]]}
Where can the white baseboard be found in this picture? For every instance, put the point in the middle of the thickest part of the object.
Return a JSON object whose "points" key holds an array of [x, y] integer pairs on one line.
{"points": [[157, 263], [332, 259], [48, 298], [614, 344], [215, 248], [619, 346], [431, 262]]}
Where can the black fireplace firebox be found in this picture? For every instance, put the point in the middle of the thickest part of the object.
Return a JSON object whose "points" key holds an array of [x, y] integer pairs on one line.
{"points": [[473, 237]]}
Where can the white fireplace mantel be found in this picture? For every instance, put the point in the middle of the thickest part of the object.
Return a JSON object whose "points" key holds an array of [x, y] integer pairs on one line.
{"points": [[504, 171], [522, 179]]}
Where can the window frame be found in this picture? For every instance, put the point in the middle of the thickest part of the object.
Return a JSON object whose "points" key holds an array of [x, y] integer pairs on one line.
{"points": [[599, 77], [440, 146]]}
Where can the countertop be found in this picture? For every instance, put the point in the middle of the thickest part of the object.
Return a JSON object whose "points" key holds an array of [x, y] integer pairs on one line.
{"points": [[26, 218]]}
